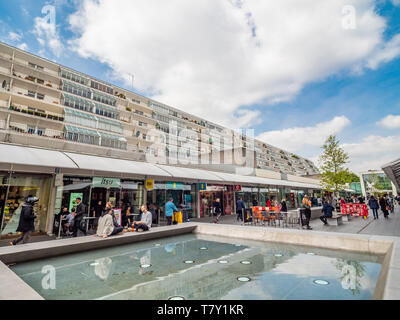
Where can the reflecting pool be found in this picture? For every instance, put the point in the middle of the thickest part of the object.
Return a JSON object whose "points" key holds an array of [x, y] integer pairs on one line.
{"points": [[204, 267]]}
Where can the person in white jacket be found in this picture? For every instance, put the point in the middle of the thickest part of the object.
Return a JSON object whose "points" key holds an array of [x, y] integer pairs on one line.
{"points": [[107, 225]]}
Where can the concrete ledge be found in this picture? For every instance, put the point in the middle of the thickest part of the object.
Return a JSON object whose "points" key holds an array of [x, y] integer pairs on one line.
{"points": [[340, 241], [388, 285], [47, 249], [14, 288]]}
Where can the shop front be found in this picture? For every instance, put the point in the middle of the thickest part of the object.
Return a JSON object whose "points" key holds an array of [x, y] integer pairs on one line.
{"points": [[248, 195], [95, 192], [209, 196], [15, 188], [183, 194]]}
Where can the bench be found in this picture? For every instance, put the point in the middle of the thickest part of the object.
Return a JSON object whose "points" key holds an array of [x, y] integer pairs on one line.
{"points": [[347, 217], [337, 218]]}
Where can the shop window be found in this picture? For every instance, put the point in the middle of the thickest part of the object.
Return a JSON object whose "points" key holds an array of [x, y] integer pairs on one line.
{"points": [[19, 187]]}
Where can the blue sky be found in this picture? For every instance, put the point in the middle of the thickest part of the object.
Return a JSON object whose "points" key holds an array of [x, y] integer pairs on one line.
{"points": [[317, 80]]}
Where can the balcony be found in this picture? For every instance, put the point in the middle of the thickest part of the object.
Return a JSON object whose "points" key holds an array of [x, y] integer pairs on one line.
{"points": [[45, 115]]}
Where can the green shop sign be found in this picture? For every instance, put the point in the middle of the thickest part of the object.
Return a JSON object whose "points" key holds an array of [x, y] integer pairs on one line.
{"points": [[106, 183], [174, 186]]}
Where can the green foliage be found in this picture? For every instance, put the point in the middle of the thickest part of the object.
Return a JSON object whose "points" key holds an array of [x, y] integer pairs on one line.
{"points": [[352, 177], [334, 175]]}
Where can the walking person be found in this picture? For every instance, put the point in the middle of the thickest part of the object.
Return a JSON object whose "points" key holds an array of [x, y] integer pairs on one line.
{"points": [[373, 204], [383, 205], [170, 208], [239, 209], [79, 215], [283, 205], [26, 223], [327, 211], [306, 203], [217, 209]]}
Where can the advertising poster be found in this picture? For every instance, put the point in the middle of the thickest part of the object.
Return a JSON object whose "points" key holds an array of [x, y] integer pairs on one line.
{"points": [[118, 216], [72, 200]]}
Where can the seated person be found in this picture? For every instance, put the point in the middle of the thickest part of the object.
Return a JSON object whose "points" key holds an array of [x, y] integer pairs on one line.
{"points": [[69, 221], [108, 225], [145, 221], [327, 210]]}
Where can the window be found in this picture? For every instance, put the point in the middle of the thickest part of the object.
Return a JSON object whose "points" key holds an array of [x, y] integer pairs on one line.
{"points": [[144, 136], [31, 129], [32, 65], [39, 67], [31, 94], [40, 81], [101, 87], [74, 77], [76, 89], [40, 96], [41, 131], [104, 99]]}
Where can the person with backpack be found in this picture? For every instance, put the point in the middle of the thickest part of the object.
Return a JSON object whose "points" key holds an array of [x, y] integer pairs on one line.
{"points": [[26, 223]]}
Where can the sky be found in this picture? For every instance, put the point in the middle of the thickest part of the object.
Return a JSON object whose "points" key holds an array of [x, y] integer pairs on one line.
{"points": [[294, 71]]}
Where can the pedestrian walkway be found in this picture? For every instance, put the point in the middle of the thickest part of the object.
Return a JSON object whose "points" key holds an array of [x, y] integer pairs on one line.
{"points": [[358, 225]]}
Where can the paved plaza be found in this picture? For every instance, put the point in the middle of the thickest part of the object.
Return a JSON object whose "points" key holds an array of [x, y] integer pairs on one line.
{"points": [[358, 225]]}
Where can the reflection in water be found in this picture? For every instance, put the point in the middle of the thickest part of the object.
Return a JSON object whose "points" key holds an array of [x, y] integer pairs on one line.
{"points": [[103, 267], [213, 276], [352, 273]]}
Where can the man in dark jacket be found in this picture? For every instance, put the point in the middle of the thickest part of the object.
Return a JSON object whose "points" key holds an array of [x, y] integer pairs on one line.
{"points": [[26, 223], [373, 204], [240, 209], [327, 210], [79, 215]]}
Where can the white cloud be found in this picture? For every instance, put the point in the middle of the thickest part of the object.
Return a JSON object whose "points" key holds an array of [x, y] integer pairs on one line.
{"points": [[385, 53], [390, 122], [46, 31], [14, 36], [372, 152], [213, 58], [294, 139], [23, 46]]}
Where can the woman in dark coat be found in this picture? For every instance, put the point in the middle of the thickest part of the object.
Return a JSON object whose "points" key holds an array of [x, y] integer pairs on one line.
{"points": [[382, 204], [218, 208], [284, 205], [26, 223]]}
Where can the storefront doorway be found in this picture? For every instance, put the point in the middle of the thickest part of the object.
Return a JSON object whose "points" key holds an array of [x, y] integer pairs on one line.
{"points": [[14, 190], [211, 194], [184, 196]]}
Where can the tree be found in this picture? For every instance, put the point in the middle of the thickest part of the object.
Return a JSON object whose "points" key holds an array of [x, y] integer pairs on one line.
{"points": [[334, 175], [352, 177]]}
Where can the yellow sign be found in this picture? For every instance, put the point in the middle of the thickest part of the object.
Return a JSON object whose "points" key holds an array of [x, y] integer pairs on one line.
{"points": [[149, 184]]}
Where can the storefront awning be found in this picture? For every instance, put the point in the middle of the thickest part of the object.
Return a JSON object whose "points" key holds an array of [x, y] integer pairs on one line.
{"points": [[87, 162], [191, 174], [34, 157]]}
